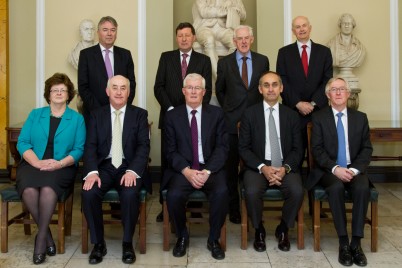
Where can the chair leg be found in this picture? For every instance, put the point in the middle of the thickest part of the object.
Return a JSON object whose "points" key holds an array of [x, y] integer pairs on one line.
{"points": [[243, 226], [84, 235], [166, 228], [61, 227], [4, 226], [69, 214], [300, 227], [142, 226], [223, 236], [316, 224], [374, 226]]}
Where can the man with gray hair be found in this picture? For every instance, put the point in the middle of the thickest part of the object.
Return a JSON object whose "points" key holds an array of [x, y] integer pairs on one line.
{"points": [[236, 89]]}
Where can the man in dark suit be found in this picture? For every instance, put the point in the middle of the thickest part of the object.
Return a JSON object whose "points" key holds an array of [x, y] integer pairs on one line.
{"points": [[342, 150], [265, 166], [92, 70], [303, 89], [169, 79], [113, 163], [234, 95], [196, 147]]}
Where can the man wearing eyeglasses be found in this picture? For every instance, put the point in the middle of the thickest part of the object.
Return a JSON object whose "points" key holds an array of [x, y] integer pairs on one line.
{"points": [[236, 89], [196, 148], [342, 150]]}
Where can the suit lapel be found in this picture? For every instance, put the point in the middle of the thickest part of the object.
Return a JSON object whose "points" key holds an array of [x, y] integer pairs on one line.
{"points": [[260, 134], [296, 56], [235, 69], [99, 61], [177, 64], [205, 121], [65, 121], [44, 121]]}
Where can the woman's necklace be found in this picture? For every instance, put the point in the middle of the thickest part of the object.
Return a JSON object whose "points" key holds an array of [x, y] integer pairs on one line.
{"points": [[56, 116]]}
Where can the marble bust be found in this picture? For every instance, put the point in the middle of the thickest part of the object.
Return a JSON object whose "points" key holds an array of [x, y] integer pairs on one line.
{"points": [[347, 51], [87, 33]]}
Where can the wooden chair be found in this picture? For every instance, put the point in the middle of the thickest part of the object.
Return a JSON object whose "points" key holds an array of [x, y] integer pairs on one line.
{"points": [[63, 220], [112, 196], [271, 195], [319, 195], [198, 196]]}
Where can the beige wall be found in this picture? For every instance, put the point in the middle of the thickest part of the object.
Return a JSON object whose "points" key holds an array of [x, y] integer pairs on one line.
{"points": [[63, 18]]}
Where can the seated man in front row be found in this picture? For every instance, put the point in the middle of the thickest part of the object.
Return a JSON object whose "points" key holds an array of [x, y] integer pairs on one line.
{"points": [[196, 147], [270, 145], [116, 156], [342, 150]]}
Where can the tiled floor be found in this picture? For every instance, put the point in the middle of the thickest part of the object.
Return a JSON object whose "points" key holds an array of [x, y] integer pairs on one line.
{"points": [[389, 249]]}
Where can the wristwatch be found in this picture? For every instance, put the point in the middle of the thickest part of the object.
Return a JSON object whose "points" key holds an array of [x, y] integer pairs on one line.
{"points": [[208, 171], [313, 103], [287, 168]]}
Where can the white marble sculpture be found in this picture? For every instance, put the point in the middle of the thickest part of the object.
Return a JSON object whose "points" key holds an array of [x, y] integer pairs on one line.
{"points": [[87, 33], [348, 53], [214, 21]]}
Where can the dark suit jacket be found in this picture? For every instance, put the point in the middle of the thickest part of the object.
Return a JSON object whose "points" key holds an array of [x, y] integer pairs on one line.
{"points": [[169, 82], [252, 137], [324, 143], [296, 86], [231, 92], [92, 76], [178, 140], [135, 140]]}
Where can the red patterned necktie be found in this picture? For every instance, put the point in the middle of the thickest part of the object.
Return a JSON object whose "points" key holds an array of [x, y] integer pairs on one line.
{"points": [[184, 65], [194, 141], [304, 59]]}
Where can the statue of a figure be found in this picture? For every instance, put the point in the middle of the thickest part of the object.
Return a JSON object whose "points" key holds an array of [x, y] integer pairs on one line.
{"points": [[87, 33], [347, 50], [214, 20]]}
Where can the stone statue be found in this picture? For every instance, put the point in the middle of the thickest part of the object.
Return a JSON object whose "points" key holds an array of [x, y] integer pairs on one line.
{"points": [[348, 53], [87, 33], [214, 20], [346, 49]]}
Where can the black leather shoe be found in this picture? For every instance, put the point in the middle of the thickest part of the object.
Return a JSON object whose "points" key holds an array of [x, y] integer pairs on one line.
{"points": [[216, 250], [259, 241], [51, 250], [235, 217], [128, 253], [39, 258], [358, 256], [97, 253], [283, 240], [179, 249], [159, 218], [345, 256]]}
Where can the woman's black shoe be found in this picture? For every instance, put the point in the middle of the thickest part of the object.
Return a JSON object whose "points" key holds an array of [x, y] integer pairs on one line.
{"points": [[39, 258], [51, 251]]}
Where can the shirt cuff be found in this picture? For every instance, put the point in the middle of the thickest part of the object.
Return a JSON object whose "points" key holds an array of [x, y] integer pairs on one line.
{"points": [[356, 171], [90, 173], [170, 108], [132, 171], [260, 167], [333, 169]]}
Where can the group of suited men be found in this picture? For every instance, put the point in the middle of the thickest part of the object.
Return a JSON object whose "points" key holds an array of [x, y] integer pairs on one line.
{"points": [[202, 144]]}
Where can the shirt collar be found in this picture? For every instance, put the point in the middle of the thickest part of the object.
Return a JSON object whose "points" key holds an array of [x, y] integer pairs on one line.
{"points": [[299, 44], [122, 109], [266, 106], [344, 111], [189, 109], [240, 56], [188, 53], [103, 48]]}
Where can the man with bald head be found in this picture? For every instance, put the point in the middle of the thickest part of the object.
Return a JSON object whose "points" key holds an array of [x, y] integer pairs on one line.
{"points": [[305, 67]]}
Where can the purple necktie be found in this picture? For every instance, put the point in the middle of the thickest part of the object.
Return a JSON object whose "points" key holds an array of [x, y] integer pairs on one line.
{"points": [[184, 65], [108, 64], [194, 141]]}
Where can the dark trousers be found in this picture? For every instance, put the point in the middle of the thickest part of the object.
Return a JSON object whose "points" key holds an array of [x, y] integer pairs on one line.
{"points": [[255, 185], [232, 171], [129, 200], [215, 188], [359, 188]]}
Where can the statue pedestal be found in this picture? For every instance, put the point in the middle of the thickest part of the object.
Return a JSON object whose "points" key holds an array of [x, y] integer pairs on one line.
{"points": [[347, 74]]}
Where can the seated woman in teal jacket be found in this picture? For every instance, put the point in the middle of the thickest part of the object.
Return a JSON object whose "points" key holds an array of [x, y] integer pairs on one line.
{"points": [[51, 144]]}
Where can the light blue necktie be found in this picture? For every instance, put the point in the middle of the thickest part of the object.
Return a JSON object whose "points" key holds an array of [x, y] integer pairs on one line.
{"points": [[341, 142]]}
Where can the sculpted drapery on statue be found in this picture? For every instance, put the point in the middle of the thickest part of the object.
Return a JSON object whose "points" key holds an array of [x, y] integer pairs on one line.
{"points": [[214, 20], [347, 50]]}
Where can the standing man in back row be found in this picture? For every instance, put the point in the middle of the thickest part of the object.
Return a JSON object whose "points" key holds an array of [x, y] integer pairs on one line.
{"points": [[99, 63], [305, 68], [173, 67], [236, 89]]}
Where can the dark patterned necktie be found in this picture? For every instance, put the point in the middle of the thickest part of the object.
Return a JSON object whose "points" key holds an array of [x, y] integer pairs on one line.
{"points": [[194, 140]]}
